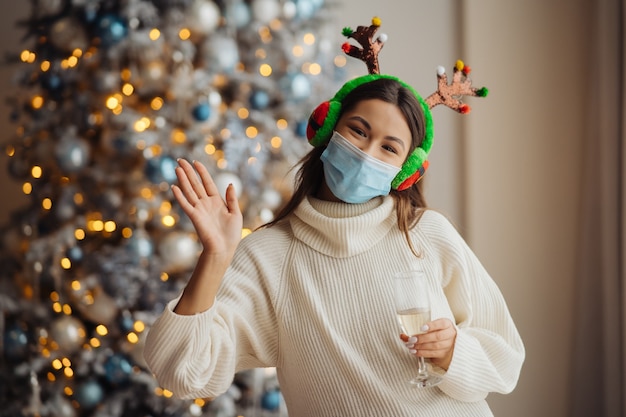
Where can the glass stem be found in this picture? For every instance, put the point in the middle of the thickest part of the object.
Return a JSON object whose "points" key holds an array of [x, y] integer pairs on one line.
{"points": [[422, 366]]}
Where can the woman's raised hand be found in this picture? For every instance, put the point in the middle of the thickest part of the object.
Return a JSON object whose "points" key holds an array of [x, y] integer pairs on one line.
{"points": [[218, 221]]}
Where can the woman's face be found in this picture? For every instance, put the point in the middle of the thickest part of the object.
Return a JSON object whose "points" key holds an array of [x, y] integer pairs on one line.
{"points": [[379, 129]]}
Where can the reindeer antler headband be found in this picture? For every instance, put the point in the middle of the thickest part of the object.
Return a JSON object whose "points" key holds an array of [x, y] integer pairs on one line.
{"points": [[325, 116]]}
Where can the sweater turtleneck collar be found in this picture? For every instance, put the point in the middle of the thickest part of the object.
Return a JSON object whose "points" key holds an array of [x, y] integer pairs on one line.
{"points": [[340, 229]]}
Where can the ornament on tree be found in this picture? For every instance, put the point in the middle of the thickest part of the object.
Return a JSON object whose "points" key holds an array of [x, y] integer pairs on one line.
{"points": [[204, 17], [68, 333]]}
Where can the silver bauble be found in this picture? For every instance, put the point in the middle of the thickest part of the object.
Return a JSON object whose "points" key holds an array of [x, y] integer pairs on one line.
{"points": [[72, 154], [68, 34], [102, 310], [69, 333], [179, 251], [204, 17], [223, 179], [265, 11], [221, 54]]}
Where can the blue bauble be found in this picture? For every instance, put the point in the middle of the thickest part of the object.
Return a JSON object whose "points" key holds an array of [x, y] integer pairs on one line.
{"points": [[318, 4], [161, 169], [297, 86], [239, 13], [117, 369], [52, 82], [202, 112], [89, 394], [305, 9], [300, 129], [259, 100], [15, 342], [111, 29], [126, 322], [74, 254], [123, 144], [271, 400], [140, 245]]}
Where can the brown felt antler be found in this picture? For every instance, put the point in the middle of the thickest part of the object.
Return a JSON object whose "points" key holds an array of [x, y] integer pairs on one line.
{"points": [[364, 35], [450, 95]]}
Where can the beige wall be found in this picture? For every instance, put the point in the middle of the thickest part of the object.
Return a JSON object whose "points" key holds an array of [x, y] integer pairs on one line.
{"points": [[523, 188], [507, 174]]}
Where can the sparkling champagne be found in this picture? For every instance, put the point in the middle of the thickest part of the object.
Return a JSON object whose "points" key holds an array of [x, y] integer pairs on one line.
{"points": [[413, 319]]}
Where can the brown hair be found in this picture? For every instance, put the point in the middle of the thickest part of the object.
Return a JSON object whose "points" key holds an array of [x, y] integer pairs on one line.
{"points": [[410, 203]]}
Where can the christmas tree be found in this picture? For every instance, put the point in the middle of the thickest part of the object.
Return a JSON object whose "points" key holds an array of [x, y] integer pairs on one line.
{"points": [[111, 93]]}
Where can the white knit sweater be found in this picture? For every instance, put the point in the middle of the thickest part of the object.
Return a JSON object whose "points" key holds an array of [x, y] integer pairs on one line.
{"points": [[313, 297]]}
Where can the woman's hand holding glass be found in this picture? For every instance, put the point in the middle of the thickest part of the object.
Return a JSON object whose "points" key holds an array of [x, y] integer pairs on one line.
{"points": [[436, 344], [424, 337]]}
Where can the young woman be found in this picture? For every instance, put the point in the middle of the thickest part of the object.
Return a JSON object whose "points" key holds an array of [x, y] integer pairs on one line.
{"points": [[312, 295]]}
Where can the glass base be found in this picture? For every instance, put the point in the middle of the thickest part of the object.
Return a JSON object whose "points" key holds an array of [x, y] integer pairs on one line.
{"points": [[426, 381]]}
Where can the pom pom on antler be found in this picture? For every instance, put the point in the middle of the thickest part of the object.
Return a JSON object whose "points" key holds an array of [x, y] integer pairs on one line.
{"points": [[450, 95], [370, 47]]}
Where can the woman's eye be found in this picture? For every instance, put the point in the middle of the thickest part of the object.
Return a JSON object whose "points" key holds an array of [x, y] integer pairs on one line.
{"points": [[358, 131], [390, 148]]}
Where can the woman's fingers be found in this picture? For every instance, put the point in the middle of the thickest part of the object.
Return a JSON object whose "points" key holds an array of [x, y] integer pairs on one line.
{"points": [[437, 342], [182, 200], [189, 182], [232, 204], [207, 181]]}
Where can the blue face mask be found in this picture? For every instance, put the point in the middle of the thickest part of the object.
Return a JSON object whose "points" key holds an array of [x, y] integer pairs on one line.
{"points": [[352, 175]]}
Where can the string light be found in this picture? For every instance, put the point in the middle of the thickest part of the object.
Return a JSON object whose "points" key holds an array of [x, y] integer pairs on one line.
{"points": [[282, 124], [252, 132], [154, 34], [184, 34], [276, 142], [37, 102], [265, 70]]}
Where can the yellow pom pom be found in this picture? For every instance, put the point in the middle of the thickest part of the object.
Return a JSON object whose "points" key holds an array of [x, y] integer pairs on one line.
{"points": [[459, 65], [376, 21]]}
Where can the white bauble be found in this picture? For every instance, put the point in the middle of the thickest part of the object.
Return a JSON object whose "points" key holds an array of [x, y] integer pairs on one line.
{"points": [[223, 179], [179, 251], [221, 54], [265, 11], [271, 198], [204, 17]]}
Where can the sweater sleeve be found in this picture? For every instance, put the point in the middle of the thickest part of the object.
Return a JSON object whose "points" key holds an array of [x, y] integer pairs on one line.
{"points": [[197, 356], [488, 352]]}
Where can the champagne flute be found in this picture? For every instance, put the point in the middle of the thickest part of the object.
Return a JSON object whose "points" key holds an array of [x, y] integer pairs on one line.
{"points": [[412, 302]]}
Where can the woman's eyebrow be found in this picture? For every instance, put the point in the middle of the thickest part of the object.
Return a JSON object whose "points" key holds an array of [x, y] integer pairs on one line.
{"points": [[362, 120], [368, 127]]}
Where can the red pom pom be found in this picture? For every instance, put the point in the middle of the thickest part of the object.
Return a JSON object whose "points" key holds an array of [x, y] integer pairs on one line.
{"points": [[467, 69], [464, 109], [345, 47], [316, 120]]}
